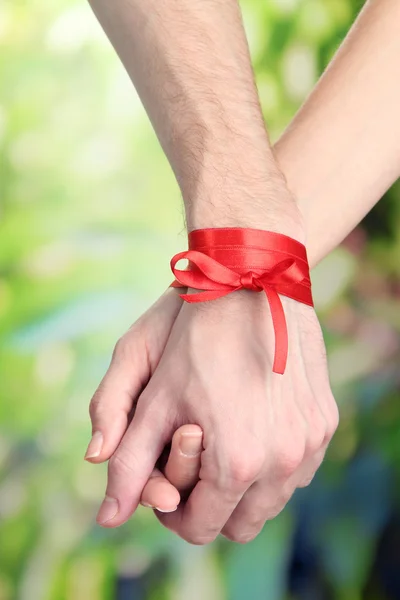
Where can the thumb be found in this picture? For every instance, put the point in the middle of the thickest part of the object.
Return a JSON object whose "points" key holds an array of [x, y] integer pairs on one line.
{"points": [[184, 462], [114, 400], [181, 473]]}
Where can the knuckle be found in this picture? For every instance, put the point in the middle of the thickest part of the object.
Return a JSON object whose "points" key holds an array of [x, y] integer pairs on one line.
{"points": [[129, 346], [316, 427], [244, 468], [288, 459], [95, 404], [155, 413], [333, 420], [122, 463], [315, 440], [120, 349]]}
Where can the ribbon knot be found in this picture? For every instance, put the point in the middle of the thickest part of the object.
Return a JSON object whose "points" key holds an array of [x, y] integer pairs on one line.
{"points": [[249, 281], [225, 260]]}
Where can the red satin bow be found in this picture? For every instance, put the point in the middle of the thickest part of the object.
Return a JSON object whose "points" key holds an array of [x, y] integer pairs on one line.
{"points": [[224, 260]]}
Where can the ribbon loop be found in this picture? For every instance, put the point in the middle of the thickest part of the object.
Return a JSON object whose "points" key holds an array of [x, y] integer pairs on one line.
{"points": [[225, 260]]}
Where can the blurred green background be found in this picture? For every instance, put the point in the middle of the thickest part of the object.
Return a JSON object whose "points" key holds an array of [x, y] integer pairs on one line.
{"points": [[88, 209]]}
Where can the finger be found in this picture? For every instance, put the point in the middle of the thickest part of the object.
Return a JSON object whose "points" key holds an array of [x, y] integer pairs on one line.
{"points": [[212, 501], [201, 518], [180, 473], [113, 401], [261, 503], [183, 465], [159, 493], [134, 460], [310, 467], [268, 495]]}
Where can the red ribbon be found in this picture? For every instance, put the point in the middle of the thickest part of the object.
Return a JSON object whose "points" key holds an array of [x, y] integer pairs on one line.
{"points": [[224, 260]]}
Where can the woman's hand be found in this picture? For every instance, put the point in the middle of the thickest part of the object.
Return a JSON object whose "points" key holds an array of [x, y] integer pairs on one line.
{"points": [[134, 360]]}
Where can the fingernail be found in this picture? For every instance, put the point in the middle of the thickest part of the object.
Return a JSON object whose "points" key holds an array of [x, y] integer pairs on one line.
{"points": [[108, 510], [159, 509], [190, 444], [95, 445]]}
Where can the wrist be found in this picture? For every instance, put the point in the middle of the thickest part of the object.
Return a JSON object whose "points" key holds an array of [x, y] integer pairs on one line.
{"points": [[240, 187], [258, 208]]}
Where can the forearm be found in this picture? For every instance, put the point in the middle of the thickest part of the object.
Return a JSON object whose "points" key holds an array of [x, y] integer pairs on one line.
{"points": [[342, 151], [190, 64]]}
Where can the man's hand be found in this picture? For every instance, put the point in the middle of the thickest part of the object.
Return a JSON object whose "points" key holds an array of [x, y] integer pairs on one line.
{"points": [[264, 434]]}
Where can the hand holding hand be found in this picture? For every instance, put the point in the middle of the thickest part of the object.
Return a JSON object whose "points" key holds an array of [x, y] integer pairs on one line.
{"points": [[264, 434]]}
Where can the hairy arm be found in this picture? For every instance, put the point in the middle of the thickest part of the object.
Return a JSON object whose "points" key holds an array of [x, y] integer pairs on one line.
{"points": [[342, 151], [189, 62]]}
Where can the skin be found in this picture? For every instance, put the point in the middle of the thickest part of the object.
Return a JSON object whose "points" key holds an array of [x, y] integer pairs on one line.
{"points": [[165, 488], [177, 354]]}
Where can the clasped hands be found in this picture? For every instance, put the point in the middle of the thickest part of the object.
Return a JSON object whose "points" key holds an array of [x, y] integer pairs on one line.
{"points": [[243, 438]]}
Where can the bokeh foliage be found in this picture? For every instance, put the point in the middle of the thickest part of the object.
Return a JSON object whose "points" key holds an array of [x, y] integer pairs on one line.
{"points": [[89, 209]]}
